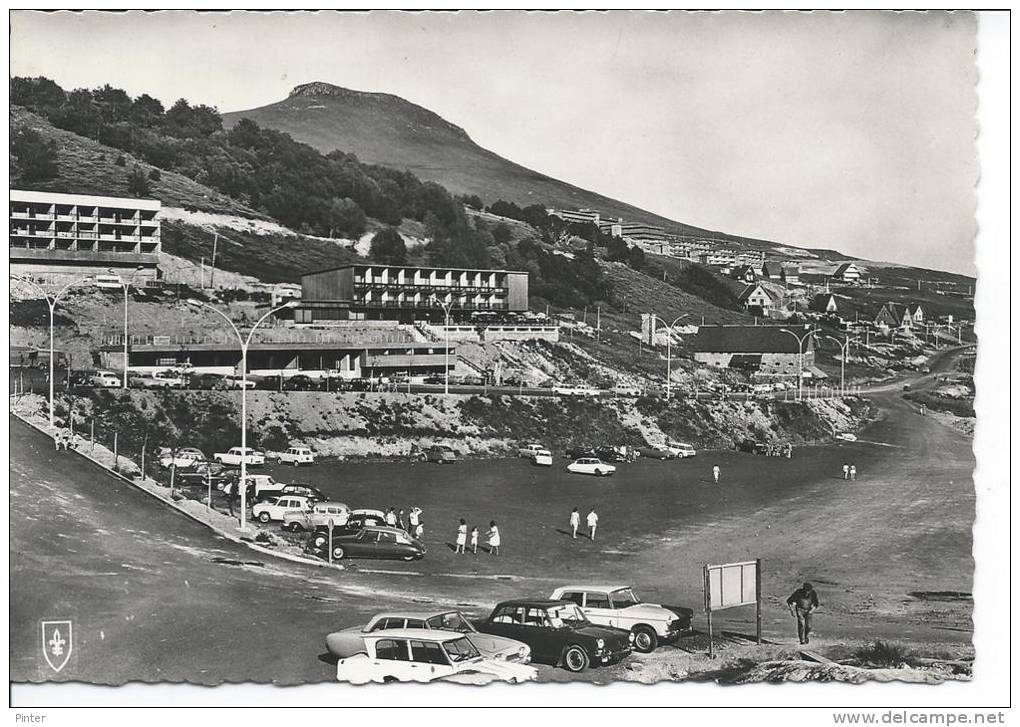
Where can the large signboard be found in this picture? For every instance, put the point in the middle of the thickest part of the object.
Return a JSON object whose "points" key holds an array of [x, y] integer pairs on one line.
{"points": [[733, 584], [648, 329]]}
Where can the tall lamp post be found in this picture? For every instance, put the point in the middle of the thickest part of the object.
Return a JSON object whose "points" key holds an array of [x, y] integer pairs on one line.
{"points": [[126, 285], [801, 340], [245, 342], [446, 329], [844, 346], [51, 301], [669, 349]]}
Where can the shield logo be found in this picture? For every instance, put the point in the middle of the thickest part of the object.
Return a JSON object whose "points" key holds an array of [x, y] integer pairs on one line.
{"points": [[57, 642]]}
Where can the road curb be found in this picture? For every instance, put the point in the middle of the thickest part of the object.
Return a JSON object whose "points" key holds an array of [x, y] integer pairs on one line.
{"points": [[191, 516]]}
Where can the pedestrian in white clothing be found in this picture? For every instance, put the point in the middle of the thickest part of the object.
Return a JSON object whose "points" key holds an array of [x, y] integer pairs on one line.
{"points": [[461, 537], [575, 522], [593, 522], [494, 539], [474, 540], [715, 473], [846, 471]]}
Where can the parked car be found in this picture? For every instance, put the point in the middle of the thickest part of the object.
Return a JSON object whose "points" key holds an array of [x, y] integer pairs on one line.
{"points": [[276, 507], [422, 655], [558, 633], [611, 454], [530, 450], [591, 466], [440, 454], [543, 458], [617, 606], [655, 453], [580, 451], [297, 456], [233, 456], [207, 381], [264, 486], [160, 380], [312, 493], [202, 473], [342, 644], [302, 382], [847, 436], [376, 542], [317, 517], [182, 458], [106, 380], [680, 449], [356, 522]]}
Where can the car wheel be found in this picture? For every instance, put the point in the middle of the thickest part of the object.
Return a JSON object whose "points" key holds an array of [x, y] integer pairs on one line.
{"points": [[338, 552], [575, 659], [295, 527], [598, 473], [263, 517], [645, 639]]}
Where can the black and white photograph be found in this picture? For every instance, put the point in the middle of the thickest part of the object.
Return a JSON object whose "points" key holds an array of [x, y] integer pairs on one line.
{"points": [[494, 349]]}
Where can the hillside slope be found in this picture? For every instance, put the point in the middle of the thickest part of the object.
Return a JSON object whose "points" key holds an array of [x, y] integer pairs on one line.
{"points": [[385, 129], [88, 167]]}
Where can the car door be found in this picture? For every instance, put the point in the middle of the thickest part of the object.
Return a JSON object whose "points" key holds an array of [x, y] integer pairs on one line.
{"points": [[545, 641], [428, 661], [386, 546], [598, 609], [507, 621], [392, 658]]}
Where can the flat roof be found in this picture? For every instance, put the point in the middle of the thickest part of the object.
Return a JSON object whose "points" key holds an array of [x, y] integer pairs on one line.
{"points": [[410, 267], [283, 345], [22, 195]]}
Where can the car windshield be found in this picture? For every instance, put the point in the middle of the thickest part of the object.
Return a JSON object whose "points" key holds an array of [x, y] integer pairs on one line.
{"points": [[460, 650], [452, 621], [624, 598], [566, 615]]}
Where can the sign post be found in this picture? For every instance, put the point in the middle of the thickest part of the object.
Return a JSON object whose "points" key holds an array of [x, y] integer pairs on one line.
{"points": [[730, 585], [331, 541]]}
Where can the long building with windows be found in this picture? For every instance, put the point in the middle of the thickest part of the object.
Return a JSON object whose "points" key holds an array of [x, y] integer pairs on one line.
{"points": [[398, 292], [82, 234]]}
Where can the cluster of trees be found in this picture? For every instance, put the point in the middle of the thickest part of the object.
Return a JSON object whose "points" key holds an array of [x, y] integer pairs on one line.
{"points": [[32, 158]]}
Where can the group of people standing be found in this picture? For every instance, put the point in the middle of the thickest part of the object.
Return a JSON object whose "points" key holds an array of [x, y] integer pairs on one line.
{"points": [[461, 543], [849, 471], [63, 439], [415, 524]]}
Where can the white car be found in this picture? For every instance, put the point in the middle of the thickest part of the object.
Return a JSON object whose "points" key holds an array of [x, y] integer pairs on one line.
{"points": [[591, 466], [297, 456], [617, 606], [106, 380], [161, 380], [680, 449], [233, 456], [530, 450], [424, 655], [543, 458], [182, 458], [847, 436], [275, 508]]}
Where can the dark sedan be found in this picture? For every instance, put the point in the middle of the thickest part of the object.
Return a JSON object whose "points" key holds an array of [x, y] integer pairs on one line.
{"points": [[558, 633], [374, 542], [202, 472]]}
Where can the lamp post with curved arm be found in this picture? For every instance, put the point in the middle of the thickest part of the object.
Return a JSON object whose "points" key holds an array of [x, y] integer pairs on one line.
{"points": [[51, 301], [844, 351], [126, 285], [669, 348], [245, 342], [447, 307], [801, 340]]}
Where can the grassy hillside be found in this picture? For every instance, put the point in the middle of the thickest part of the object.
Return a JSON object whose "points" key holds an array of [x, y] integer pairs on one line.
{"points": [[85, 166], [385, 129]]}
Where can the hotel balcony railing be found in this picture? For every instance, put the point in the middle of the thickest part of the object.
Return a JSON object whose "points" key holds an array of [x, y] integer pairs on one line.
{"points": [[426, 305], [426, 286]]}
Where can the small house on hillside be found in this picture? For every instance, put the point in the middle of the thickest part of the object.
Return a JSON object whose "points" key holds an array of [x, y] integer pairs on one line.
{"points": [[894, 315], [773, 350], [847, 273], [916, 313], [756, 298], [823, 303], [771, 270], [790, 274], [744, 273]]}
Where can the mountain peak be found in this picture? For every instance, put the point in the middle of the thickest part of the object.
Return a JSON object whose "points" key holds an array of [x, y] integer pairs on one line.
{"points": [[321, 88]]}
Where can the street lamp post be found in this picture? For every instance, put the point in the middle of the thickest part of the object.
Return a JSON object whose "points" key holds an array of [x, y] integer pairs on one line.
{"points": [[669, 349], [126, 285], [446, 306], [51, 301], [844, 352], [244, 342], [801, 340]]}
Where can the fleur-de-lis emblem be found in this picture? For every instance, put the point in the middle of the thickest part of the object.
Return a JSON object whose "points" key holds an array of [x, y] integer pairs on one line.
{"points": [[57, 643]]}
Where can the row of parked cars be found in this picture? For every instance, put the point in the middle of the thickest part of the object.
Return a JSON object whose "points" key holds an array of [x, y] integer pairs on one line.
{"points": [[574, 628], [599, 461]]}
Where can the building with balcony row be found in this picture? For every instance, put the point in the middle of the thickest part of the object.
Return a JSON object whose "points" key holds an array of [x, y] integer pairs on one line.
{"points": [[82, 234], [398, 292]]}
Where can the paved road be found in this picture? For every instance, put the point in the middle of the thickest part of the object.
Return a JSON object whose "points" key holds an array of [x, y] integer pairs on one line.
{"points": [[154, 596]]}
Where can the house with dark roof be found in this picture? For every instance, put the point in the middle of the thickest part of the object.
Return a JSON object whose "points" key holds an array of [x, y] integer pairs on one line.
{"points": [[744, 273], [894, 315], [773, 350], [756, 298], [771, 270], [847, 273], [790, 274], [823, 303]]}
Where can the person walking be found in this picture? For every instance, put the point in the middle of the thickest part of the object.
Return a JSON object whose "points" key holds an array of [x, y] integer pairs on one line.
{"points": [[846, 471], [715, 473], [593, 523], [412, 520], [461, 537], [853, 472], [494, 539], [802, 603], [474, 540], [575, 522], [400, 519], [419, 530], [391, 518]]}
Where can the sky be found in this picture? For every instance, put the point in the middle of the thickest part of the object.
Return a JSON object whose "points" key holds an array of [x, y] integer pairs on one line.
{"points": [[847, 131]]}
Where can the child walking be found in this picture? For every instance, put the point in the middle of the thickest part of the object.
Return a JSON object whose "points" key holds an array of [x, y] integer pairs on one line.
{"points": [[461, 536], [474, 540]]}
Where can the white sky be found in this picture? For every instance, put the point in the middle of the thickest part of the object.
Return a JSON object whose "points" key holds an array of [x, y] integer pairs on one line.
{"points": [[851, 131]]}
